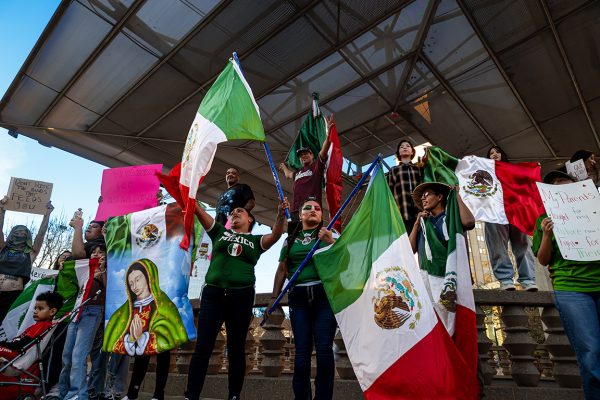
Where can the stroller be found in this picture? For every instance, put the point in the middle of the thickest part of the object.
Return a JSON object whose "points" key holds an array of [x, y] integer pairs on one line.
{"points": [[25, 376]]}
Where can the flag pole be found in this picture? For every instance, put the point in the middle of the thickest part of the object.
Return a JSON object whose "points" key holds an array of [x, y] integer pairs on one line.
{"points": [[269, 158], [337, 215]]}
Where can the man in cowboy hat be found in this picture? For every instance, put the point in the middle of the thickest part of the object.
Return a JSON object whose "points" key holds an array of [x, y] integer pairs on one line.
{"points": [[431, 199], [576, 294]]}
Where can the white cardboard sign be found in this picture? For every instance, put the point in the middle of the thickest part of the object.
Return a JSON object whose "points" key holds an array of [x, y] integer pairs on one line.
{"points": [[577, 169], [28, 196], [575, 210]]}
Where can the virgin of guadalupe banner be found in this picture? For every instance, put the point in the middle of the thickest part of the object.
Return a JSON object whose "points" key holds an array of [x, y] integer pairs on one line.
{"points": [[147, 306]]}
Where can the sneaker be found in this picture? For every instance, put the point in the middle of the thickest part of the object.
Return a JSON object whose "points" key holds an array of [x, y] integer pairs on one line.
{"points": [[529, 286], [507, 285]]}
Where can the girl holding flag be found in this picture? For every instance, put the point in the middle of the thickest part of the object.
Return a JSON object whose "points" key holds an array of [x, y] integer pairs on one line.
{"points": [[310, 313], [228, 295]]}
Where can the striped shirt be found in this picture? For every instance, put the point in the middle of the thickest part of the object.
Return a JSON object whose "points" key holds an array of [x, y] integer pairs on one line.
{"points": [[402, 180]]}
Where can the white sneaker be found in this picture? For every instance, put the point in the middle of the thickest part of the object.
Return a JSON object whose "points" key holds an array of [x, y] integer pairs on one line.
{"points": [[507, 285], [529, 286]]}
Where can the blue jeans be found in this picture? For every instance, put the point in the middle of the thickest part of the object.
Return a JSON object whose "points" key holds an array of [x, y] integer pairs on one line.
{"points": [[78, 344], [580, 315], [312, 320], [497, 237]]}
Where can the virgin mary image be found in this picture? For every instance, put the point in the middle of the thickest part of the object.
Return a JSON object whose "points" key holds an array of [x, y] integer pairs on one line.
{"points": [[148, 322]]}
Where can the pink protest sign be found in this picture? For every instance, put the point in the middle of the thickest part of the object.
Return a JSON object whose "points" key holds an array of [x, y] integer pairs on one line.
{"points": [[128, 189]]}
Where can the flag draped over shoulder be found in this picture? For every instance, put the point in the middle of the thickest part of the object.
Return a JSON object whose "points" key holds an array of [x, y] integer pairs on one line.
{"points": [[20, 314], [447, 274], [398, 347], [312, 134], [227, 112], [495, 191], [143, 247]]}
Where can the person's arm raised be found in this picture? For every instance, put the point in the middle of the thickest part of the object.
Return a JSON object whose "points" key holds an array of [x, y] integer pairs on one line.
{"points": [[77, 247], [270, 239], [325, 148], [466, 216], [39, 238], [288, 173], [206, 220], [414, 234]]}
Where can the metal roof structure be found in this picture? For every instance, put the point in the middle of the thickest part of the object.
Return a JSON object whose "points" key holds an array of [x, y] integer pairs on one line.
{"points": [[119, 81]]}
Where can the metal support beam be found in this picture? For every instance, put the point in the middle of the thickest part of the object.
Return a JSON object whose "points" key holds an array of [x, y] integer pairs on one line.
{"points": [[455, 96], [92, 57], [505, 76], [567, 64], [205, 21], [345, 90], [421, 36]]}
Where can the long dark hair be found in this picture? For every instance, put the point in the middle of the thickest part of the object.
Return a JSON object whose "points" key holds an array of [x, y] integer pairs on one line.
{"points": [[55, 266], [291, 239], [503, 155]]}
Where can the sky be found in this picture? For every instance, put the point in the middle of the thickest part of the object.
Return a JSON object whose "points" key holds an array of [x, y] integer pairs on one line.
{"points": [[76, 180]]}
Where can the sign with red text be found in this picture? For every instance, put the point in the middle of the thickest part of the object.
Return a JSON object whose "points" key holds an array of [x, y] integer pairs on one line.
{"points": [[28, 196], [575, 210], [128, 189]]}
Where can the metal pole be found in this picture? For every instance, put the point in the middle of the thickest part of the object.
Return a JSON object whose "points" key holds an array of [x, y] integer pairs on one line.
{"points": [[269, 158], [316, 245]]}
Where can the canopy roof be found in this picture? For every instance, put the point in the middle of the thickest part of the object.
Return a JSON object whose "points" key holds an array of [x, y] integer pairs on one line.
{"points": [[119, 81]]}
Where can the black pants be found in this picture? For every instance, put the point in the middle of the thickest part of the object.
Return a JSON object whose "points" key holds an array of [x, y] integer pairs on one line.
{"points": [[140, 367], [217, 305]]}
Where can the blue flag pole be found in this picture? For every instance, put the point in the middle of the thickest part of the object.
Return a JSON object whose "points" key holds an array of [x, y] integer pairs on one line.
{"points": [[337, 215], [269, 158]]}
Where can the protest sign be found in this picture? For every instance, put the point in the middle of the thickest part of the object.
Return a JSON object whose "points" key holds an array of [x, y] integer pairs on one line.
{"points": [[575, 210], [28, 196], [577, 169], [128, 189]]}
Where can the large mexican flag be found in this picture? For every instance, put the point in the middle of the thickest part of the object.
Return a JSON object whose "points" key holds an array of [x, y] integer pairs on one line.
{"points": [[74, 283], [227, 112], [495, 191], [398, 347]]}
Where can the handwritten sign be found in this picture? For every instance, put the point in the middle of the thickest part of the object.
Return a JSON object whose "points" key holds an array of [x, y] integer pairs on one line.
{"points": [[128, 189], [28, 196], [577, 169], [41, 273], [575, 210]]}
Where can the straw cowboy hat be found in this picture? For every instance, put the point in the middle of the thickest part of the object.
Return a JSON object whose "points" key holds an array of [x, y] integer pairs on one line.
{"points": [[438, 187]]}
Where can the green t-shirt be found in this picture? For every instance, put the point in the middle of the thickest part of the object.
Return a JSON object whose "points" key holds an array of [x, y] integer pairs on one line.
{"points": [[567, 275], [304, 242], [234, 257]]}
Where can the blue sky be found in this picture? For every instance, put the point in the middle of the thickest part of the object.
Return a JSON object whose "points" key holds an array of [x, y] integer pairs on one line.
{"points": [[76, 180]]}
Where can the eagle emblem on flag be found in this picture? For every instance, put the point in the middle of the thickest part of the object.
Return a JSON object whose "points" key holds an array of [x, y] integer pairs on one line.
{"points": [[397, 301], [481, 184]]}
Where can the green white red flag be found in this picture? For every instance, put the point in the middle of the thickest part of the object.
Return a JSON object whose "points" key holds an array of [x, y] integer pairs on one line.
{"points": [[227, 112], [495, 191], [397, 345]]}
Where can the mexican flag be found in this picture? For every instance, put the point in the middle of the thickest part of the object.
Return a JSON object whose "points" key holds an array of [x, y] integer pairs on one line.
{"points": [[227, 112], [312, 134], [20, 314], [494, 191], [447, 275], [74, 283], [397, 345]]}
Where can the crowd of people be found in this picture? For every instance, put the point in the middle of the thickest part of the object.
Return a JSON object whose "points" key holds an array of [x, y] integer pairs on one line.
{"points": [[228, 294]]}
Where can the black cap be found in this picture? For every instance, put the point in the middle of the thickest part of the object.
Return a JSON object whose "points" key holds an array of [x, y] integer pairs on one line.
{"points": [[552, 175], [301, 149]]}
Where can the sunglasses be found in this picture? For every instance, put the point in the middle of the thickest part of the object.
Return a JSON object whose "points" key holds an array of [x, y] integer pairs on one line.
{"points": [[309, 207]]}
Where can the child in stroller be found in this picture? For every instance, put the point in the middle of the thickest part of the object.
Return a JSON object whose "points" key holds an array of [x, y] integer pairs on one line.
{"points": [[21, 383]]}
